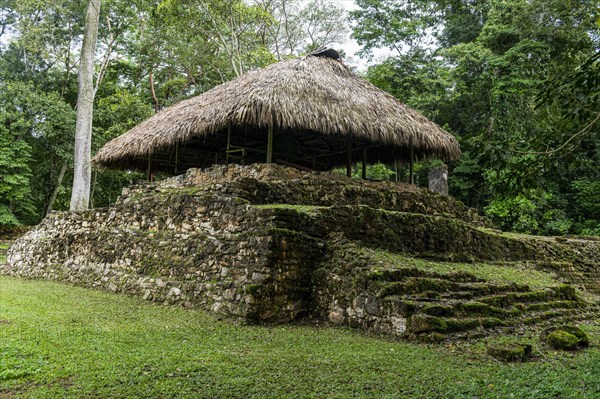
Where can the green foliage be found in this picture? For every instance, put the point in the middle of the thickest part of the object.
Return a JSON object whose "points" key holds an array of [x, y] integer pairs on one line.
{"points": [[586, 193], [191, 47], [36, 137], [515, 213], [15, 172], [517, 87], [556, 222], [376, 171], [585, 201], [532, 212], [118, 111], [391, 24]]}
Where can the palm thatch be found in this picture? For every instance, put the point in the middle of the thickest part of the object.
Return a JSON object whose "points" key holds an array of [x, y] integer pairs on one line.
{"points": [[318, 110]]}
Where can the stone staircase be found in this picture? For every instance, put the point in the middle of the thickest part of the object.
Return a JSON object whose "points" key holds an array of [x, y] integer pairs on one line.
{"points": [[420, 303], [463, 305]]}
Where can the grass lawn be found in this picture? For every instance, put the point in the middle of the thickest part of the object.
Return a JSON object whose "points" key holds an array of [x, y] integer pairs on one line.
{"points": [[60, 341]]}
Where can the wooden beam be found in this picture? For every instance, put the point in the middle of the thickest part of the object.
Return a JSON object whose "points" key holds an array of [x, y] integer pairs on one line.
{"points": [[228, 142], [364, 164], [411, 176], [270, 144], [344, 151], [176, 157], [149, 171], [349, 159]]}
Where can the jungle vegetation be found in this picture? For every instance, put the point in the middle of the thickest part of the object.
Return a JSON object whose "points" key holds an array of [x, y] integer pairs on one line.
{"points": [[516, 81]]}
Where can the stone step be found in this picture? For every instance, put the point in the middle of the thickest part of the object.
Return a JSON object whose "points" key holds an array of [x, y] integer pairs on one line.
{"points": [[422, 325], [564, 292], [458, 318], [458, 308], [539, 317], [440, 288], [401, 274]]}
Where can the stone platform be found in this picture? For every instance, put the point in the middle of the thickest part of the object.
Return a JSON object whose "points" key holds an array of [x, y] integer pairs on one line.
{"points": [[270, 244]]}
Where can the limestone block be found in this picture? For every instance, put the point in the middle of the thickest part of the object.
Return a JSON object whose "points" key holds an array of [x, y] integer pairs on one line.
{"points": [[438, 180]]}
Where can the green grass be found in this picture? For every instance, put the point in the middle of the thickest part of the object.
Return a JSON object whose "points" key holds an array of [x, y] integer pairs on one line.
{"points": [[59, 341], [515, 272]]}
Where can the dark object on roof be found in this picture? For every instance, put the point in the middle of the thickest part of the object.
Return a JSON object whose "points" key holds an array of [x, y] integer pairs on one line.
{"points": [[326, 52]]}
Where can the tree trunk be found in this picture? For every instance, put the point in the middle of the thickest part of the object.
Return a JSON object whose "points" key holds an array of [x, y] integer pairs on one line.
{"points": [[80, 197], [61, 176]]}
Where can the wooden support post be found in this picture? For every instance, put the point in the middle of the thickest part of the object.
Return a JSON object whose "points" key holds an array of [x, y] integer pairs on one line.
{"points": [[411, 176], [270, 144], [176, 157], [228, 142], [364, 164], [149, 171], [349, 160]]}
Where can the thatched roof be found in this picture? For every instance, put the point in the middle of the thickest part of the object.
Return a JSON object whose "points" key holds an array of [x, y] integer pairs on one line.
{"points": [[316, 105]]}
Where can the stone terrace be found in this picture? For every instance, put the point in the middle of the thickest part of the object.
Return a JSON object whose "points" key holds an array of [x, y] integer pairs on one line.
{"points": [[270, 244]]}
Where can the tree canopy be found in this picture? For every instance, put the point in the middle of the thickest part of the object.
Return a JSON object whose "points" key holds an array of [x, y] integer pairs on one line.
{"points": [[516, 81]]}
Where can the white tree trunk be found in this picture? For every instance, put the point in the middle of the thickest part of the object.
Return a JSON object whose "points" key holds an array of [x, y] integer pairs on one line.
{"points": [[80, 197]]}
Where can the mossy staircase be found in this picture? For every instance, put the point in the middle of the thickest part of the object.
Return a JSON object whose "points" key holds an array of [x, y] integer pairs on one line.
{"points": [[460, 304]]}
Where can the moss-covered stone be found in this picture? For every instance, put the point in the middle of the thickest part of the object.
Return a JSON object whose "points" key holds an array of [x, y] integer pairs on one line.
{"points": [[438, 310], [479, 308], [562, 340], [510, 352], [582, 338], [420, 323]]}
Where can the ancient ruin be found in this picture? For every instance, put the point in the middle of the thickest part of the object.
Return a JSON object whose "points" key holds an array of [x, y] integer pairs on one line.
{"points": [[272, 244]]}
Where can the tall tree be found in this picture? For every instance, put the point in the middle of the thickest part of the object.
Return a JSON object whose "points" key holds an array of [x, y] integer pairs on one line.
{"points": [[299, 27], [477, 67], [80, 196]]}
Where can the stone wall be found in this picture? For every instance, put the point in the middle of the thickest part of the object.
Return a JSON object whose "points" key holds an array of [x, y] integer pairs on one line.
{"points": [[272, 244], [176, 246]]}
